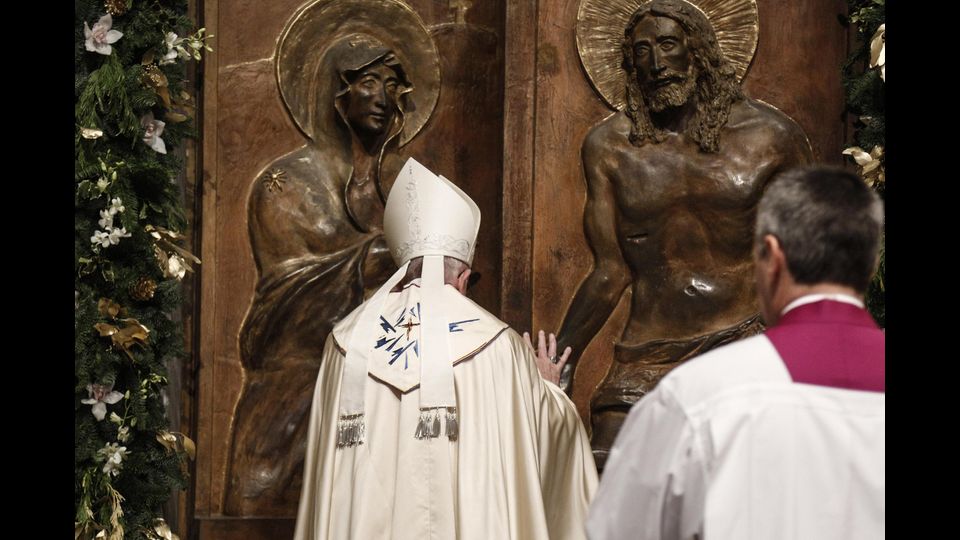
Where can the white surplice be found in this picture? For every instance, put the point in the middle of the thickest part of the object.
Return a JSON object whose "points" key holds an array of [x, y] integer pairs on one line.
{"points": [[520, 468], [728, 447]]}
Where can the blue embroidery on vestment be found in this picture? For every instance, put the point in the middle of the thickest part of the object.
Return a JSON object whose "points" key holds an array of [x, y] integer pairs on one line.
{"points": [[399, 332], [455, 326]]}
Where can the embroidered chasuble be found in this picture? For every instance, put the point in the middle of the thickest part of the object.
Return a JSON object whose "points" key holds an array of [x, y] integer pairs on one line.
{"points": [[517, 464]]}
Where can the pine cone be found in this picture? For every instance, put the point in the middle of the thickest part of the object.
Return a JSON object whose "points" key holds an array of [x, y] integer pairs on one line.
{"points": [[115, 7], [143, 290]]}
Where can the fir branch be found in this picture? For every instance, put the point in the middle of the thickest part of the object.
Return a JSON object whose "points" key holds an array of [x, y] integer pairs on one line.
{"points": [[112, 95], [866, 98]]}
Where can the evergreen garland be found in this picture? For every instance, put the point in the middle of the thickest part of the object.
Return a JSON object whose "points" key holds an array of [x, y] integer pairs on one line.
{"points": [[128, 211], [866, 99]]}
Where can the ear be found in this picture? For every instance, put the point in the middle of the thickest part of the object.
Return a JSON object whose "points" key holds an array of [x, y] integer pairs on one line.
{"points": [[771, 261], [776, 251], [462, 280]]}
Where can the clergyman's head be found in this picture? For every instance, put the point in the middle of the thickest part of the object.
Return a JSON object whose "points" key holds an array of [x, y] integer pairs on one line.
{"points": [[826, 223], [456, 273], [670, 56]]}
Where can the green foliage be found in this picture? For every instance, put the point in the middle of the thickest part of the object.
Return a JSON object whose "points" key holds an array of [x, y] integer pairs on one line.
{"points": [[112, 95], [875, 293], [866, 99]]}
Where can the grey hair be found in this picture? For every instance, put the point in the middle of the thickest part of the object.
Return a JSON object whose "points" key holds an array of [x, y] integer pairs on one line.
{"points": [[828, 223], [452, 268]]}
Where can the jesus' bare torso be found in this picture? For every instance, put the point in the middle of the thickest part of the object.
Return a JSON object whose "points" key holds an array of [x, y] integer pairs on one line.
{"points": [[675, 224]]}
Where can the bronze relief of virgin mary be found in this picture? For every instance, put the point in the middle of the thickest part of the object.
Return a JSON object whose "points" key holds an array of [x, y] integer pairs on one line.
{"points": [[360, 79]]}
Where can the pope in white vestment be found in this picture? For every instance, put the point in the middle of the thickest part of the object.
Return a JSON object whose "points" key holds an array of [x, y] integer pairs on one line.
{"points": [[498, 454]]}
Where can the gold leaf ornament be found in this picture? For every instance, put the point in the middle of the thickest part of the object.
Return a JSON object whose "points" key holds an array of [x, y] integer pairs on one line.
{"points": [[105, 329], [871, 164], [177, 442], [125, 337], [154, 77], [133, 333], [108, 308], [175, 117], [174, 260], [115, 7], [189, 447], [162, 530], [168, 440], [182, 109]]}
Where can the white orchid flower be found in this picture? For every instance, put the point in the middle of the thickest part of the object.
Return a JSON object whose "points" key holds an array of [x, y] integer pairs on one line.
{"points": [[101, 36], [175, 267], [116, 205], [116, 234], [100, 238], [152, 129], [106, 219], [172, 42], [113, 454], [100, 396]]}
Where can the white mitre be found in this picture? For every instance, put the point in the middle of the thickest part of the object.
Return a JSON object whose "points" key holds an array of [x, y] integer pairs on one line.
{"points": [[427, 214], [414, 337]]}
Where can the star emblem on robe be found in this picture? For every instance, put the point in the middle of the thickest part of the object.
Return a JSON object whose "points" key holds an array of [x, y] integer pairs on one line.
{"points": [[397, 333]]}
